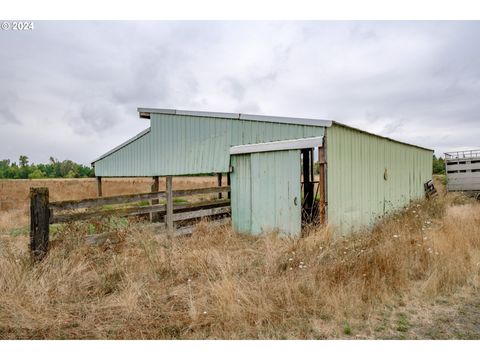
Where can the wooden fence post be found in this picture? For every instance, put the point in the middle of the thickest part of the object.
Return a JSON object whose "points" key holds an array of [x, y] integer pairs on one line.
{"points": [[155, 188], [169, 214], [219, 183], [99, 186], [322, 184], [39, 223]]}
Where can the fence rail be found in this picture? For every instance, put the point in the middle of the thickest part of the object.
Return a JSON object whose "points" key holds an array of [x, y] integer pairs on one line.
{"points": [[43, 212]]}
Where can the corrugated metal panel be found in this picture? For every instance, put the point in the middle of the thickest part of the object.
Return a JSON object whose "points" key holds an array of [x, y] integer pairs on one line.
{"points": [[132, 159], [241, 193], [183, 144], [357, 192], [264, 188]]}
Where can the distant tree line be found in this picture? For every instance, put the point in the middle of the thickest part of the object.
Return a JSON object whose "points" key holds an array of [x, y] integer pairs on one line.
{"points": [[54, 169]]}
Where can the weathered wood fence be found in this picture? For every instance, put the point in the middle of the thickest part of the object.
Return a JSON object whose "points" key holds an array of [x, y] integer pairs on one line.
{"points": [[43, 212]]}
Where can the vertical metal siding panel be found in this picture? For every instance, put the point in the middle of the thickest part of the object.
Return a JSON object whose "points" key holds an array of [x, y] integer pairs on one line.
{"points": [[180, 145], [241, 194], [275, 181], [357, 191]]}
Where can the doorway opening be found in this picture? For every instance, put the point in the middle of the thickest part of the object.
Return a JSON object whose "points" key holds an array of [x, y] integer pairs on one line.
{"points": [[313, 186]]}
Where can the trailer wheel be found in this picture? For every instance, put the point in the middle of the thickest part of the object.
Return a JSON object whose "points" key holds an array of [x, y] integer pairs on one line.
{"points": [[478, 196]]}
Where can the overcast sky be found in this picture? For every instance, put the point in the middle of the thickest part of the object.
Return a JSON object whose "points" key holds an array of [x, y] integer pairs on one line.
{"points": [[71, 89]]}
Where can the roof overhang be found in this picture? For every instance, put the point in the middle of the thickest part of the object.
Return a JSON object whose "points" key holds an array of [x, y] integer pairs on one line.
{"points": [[145, 113], [294, 144]]}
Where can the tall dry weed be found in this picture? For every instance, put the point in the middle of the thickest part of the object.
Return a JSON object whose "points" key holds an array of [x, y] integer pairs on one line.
{"points": [[218, 284]]}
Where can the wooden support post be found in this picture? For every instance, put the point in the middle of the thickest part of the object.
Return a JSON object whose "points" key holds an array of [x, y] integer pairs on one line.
{"points": [[307, 183], [39, 223], [99, 186], [219, 183], [228, 183], [322, 184], [169, 214], [154, 217]]}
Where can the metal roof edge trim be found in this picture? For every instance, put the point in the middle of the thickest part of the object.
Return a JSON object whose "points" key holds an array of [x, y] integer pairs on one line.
{"points": [[129, 141], [240, 116], [292, 144], [380, 136]]}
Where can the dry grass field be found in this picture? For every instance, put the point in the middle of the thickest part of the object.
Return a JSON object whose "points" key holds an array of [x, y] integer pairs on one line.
{"points": [[415, 275], [14, 194]]}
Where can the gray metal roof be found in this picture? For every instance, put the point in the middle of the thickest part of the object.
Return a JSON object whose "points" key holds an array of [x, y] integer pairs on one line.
{"points": [[277, 145], [145, 113]]}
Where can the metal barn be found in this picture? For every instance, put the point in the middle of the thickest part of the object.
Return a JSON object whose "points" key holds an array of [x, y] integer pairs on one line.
{"points": [[270, 162]]}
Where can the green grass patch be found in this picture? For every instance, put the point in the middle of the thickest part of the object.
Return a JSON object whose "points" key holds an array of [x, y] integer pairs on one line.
{"points": [[402, 323]]}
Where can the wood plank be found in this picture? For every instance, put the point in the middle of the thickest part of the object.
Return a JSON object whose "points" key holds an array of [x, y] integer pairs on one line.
{"points": [[111, 200], [160, 210], [322, 183], [123, 199], [219, 183], [210, 190], [201, 213], [130, 211]]}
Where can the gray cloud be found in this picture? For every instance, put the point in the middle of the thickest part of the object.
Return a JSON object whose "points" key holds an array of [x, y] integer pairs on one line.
{"points": [[7, 116], [71, 89]]}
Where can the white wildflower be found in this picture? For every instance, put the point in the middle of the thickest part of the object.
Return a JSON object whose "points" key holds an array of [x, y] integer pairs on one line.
{"points": [[291, 259], [396, 236]]}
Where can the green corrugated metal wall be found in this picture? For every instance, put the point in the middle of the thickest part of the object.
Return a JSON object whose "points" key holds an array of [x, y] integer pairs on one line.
{"points": [[357, 192], [180, 145], [264, 187]]}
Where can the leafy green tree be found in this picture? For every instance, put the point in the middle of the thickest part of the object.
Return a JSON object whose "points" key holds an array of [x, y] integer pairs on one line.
{"points": [[438, 165], [37, 174], [23, 160]]}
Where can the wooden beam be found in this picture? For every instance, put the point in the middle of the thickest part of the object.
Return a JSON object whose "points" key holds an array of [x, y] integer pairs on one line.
{"points": [[322, 183], [201, 191], [169, 215], [154, 217], [228, 184], [39, 223], [159, 209], [129, 211], [99, 186], [201, 213], [123, 199], [219, 182]]}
